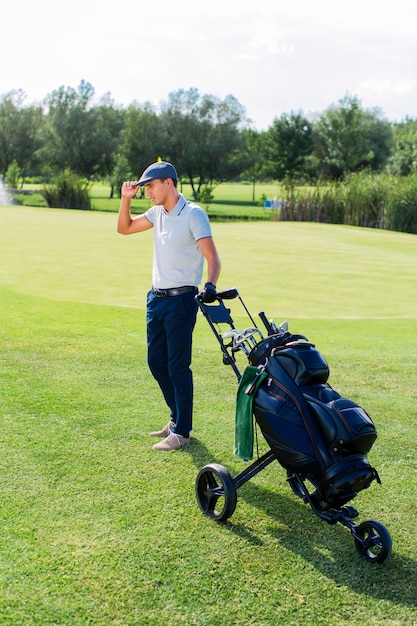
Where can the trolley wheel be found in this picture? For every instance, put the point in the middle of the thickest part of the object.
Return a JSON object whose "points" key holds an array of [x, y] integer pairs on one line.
{"points": [[375, 542], [216, 492]]}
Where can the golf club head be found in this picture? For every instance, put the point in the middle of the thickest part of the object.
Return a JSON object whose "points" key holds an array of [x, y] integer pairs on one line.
{"points": [[245, 340], [229, 333]]}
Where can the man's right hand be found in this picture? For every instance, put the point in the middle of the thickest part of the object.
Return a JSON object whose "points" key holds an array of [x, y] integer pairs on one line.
{"points": [[129, 189]]}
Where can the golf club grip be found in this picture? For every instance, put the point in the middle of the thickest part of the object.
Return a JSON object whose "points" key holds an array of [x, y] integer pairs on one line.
{"points": [[265, 322]]}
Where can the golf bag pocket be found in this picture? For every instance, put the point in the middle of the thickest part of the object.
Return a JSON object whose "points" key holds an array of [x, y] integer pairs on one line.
{"points": [[303, 362], [359, 430], [346, 427]]}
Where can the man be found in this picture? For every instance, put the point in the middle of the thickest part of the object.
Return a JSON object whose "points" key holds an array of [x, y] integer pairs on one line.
{"points": [[182, 240]]}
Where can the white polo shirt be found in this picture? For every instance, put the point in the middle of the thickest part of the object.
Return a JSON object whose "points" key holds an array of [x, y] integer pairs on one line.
{"points": [[177, 259]]}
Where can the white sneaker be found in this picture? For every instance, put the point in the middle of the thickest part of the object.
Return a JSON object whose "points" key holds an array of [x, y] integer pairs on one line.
{"points": [[172, 442]]}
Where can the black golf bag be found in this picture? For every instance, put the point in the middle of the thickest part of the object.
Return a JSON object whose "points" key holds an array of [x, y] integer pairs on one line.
{"points": [[319, 437], [311, 429]]}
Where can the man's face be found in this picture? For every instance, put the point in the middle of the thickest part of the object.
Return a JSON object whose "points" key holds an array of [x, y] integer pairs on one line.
{"points": [[157, 191]]}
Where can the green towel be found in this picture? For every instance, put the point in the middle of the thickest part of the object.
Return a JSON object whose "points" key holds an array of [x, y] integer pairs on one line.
{"points": [[251, 378]]}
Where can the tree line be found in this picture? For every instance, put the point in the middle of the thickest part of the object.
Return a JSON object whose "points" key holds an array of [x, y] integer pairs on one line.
{"points": [[210, 140]]}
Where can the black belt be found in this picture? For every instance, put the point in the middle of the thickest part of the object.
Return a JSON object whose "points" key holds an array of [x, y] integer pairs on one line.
{"points": [[175, 291]]}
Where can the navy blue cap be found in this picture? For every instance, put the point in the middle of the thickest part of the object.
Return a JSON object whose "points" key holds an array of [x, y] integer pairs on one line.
{"points": [[161, 169]]}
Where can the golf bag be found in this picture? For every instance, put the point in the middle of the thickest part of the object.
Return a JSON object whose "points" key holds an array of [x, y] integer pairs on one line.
{"points": [[311, 429]]}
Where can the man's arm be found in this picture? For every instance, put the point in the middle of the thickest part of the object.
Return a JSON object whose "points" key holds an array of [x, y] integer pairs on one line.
{"points": [[208, 248], [126, 225]]}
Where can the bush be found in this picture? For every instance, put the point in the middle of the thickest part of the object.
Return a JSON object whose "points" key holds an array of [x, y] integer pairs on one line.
{"points": [[13, 176], [206, 196], [68, 191]]}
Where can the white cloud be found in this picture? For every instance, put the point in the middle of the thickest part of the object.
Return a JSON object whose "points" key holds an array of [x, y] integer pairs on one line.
{"points": [[387, 86]]}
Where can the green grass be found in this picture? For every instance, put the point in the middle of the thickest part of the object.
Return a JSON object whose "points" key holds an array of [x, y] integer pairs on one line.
{"points": [[231, 200], [99, 529]]}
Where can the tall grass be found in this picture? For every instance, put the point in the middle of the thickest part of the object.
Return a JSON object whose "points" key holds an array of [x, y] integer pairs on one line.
{"points": [[364, 198], [401, 205], [367, 200]]}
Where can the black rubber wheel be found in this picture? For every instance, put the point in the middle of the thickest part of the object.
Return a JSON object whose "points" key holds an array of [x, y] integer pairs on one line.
{"points": [[216, 492], [375, 543]]}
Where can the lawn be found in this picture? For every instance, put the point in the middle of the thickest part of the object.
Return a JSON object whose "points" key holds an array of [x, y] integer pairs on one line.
{"points": [[231, 201], [99, 529]]}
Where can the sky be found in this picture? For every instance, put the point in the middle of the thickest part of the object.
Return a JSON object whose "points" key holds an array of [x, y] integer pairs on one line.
{"points": [[275, 58]]}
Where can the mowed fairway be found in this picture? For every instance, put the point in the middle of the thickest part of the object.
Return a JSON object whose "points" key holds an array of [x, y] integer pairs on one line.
{"points": [[96, 527]]}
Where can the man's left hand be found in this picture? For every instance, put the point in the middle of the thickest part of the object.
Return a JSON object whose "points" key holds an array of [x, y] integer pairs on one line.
{"points": [[208, 294]]}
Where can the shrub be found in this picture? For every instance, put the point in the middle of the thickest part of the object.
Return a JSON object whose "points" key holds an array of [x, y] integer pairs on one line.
{"points": [[67, 191], [13, 175], [206, 196]]}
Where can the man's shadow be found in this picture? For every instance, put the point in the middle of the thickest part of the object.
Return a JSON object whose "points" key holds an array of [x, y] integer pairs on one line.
{"points": [[290, 514]]}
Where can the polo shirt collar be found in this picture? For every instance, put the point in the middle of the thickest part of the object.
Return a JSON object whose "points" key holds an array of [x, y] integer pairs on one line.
{"points": [[179, 206]]}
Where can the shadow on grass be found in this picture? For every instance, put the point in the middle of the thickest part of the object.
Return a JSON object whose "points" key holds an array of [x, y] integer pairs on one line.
{"points": [[313, 539]]}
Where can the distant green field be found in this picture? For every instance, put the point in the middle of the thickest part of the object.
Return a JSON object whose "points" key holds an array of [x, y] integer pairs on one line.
{"points": [[231, 200], [243, 193], [99, 529]]}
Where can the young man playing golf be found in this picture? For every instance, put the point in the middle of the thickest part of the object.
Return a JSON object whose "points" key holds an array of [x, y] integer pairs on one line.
{"points": [[182, 240]]}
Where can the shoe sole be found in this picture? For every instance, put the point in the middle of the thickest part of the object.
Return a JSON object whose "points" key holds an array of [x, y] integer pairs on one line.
{"points": [[158, 449]]}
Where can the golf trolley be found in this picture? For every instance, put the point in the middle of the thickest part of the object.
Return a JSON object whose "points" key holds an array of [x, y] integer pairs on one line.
{"points": [[319, 437]]}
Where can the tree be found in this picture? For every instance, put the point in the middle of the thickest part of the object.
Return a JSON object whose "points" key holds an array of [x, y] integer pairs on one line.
{"points": [[120, 173], [254, 156], [404, 155], [82, 138], [20, 133], [202, 136], [288, 142], [348, 138], [142, 141], [109, 123]]}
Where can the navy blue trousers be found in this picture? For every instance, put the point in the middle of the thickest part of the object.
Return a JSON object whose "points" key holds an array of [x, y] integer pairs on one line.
{"points": [[170, 322]]}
